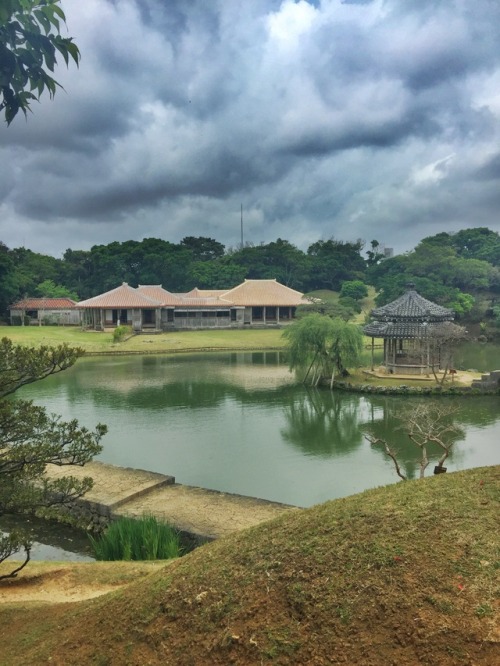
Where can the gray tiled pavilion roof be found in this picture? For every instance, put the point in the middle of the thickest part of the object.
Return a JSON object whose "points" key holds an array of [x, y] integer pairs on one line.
{"points": [[409, 316], [406, 330], [411, 307]]}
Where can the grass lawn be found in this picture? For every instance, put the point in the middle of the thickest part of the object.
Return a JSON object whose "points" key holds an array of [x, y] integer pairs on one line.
{"points": [[96, 342]]}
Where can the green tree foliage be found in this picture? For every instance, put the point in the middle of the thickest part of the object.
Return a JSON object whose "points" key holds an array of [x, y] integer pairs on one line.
{"points": [[350, 303], [479, 243], [76, 271], [355, 289], [332, 310], [49, 289], [323, 347], [30, 439], [223, 273], [439, 273], [31, 268], [333, 262], [203, 249], [278, 260], [29, 41], [8, 283], [374, 256]]}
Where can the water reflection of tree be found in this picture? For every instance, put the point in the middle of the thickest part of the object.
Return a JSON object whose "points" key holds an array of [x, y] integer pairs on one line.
{"points": [[323, 423], [186, 381]]}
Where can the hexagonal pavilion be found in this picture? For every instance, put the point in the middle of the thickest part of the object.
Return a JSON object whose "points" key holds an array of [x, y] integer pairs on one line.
{"points": [[408, 327]]}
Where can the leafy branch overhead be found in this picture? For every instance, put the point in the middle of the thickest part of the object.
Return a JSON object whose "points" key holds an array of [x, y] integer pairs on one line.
{"points": [[21, 365], [30, 39], [31, 439]]}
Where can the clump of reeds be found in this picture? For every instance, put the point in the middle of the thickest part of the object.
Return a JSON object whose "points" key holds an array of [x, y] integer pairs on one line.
{"points": [[145, 538]]}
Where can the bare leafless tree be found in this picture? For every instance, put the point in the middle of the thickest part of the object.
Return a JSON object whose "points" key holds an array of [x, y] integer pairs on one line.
{"points": [[443, 341], [424, 425]]}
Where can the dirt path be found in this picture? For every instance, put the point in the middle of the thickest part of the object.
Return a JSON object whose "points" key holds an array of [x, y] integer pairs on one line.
{"points": [[65, 582], [54, 587]]}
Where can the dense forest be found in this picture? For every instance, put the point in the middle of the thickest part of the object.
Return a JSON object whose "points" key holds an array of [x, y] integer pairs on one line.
{"points": [[459, 270]]}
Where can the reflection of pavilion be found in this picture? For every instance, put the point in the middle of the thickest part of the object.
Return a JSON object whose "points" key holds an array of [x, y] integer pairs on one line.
{"points": [[409, 326]]}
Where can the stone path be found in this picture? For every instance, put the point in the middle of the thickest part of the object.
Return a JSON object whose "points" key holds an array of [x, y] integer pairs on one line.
{"points": [[205, 514]]}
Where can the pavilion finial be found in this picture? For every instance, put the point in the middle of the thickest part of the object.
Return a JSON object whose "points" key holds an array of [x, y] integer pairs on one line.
{"points": [[410, 286]]}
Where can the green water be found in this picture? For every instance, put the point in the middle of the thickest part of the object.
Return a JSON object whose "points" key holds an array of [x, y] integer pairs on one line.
{"points": [[476, 356], [236, 422]]}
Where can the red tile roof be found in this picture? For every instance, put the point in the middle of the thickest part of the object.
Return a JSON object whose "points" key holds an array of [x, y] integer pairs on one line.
{"points": [[264, 292], [157, 293], [204, 293], [206, 302], [44, 304], [123, 296], [250, 292]]}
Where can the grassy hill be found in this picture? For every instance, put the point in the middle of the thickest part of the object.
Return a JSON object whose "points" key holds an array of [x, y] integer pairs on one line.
{"points": [[406, 574]]}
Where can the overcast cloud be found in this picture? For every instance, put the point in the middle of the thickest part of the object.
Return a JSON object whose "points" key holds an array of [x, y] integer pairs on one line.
{"points": [[357, 119]]}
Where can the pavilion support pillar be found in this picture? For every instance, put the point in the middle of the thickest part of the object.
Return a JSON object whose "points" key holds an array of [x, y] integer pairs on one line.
{"points": [[373, 345]]}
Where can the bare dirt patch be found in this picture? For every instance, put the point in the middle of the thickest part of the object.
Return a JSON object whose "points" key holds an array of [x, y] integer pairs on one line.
{"points": [[63, 582]]}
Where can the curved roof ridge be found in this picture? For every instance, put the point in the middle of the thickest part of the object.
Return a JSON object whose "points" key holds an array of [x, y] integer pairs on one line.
{"points": [[122, 296], [249, 282], [414, 307]]}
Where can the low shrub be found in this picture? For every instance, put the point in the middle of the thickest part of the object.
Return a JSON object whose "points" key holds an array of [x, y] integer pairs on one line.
{"points": [[146, 538], [122, 332]]}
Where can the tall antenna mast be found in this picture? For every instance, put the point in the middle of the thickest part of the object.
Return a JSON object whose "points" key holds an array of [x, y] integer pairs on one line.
{"points": [[241, 226]]}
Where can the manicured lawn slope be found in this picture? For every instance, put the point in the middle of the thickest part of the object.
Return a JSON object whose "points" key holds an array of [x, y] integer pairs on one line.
{"points": [[406, 574], [94, 342]]}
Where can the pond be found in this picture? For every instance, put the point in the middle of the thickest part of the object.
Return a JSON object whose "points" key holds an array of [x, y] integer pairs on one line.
{"points": [[51, 540], [236, 422]]}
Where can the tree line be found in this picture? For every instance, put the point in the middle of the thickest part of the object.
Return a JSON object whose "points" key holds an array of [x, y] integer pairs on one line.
{"points": [[193, 262], [459, 270]]}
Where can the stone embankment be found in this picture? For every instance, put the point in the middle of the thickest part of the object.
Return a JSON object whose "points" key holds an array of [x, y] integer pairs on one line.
{"points": [[488, 382], [200, 514]]}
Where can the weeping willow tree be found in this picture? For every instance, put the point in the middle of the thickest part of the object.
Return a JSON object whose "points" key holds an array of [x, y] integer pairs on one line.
{"points": [[322, 348]]}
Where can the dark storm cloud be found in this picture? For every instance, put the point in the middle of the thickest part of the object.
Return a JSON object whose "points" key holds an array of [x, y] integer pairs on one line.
{"points": [[353, 119], [490, 170]]}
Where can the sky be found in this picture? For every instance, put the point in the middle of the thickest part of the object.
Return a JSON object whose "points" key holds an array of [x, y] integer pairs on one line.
{"points": [[353, 119]]}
